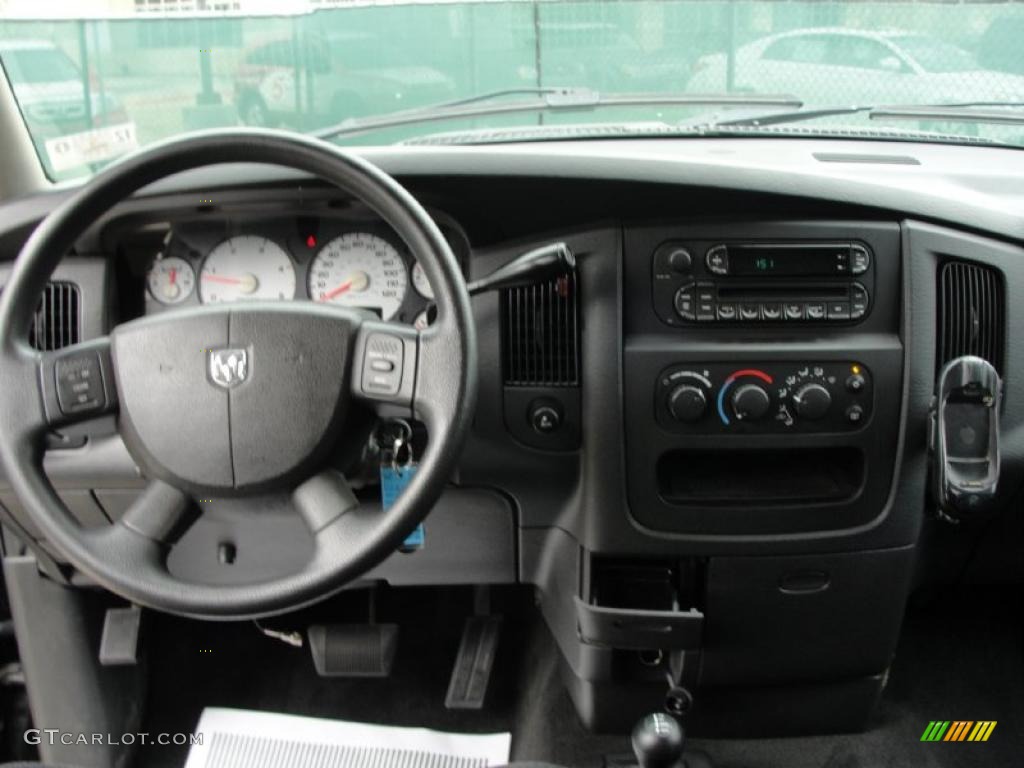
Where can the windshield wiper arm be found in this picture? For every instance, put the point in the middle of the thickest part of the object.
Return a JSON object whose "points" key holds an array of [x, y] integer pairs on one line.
{"points": [[778, 118], [976, 112], [545, 99], [971, 112]]}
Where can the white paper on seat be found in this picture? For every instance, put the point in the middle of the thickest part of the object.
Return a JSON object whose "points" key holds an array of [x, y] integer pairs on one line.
{"points": [[240, 738]]}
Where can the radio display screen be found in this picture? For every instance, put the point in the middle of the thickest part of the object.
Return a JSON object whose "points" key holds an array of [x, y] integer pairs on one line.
{"points": [[788, 260]]}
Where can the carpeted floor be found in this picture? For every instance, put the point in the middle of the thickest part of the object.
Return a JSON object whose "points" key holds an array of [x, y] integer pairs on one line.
{"points": [[961, 657]]}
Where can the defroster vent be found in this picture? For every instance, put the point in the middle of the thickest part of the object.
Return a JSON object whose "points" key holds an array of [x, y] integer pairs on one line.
{"points": [[972, 313], [56, 322], [540, 334]]}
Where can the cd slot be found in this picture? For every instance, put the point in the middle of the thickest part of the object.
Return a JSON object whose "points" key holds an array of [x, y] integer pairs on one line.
{"points": [[783, 292]]}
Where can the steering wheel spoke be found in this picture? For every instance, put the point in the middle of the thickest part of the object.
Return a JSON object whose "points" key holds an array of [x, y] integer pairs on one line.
{"points": [[158, 513], [384, 367], [76, 383], [399, 371]]}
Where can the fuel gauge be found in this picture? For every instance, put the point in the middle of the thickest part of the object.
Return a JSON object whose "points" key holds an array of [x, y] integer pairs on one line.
{"points": [[171, 280]]}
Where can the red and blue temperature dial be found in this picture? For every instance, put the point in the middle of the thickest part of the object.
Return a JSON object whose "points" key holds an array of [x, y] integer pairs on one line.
{"points": [[748, 400]]}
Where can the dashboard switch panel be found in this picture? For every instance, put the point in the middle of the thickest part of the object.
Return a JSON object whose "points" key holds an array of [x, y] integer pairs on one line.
{"points": [[768, 398]]}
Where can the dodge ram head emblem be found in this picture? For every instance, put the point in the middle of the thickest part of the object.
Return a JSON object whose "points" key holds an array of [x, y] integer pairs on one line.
{"points": [[228, 367]]}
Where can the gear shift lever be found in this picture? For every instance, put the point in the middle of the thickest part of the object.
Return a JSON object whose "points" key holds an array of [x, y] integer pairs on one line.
{"points": [[658, 742]]}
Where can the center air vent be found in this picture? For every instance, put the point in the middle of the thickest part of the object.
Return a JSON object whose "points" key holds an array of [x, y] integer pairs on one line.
{"points": [[540, 334], [972, 313], [56, 321]]}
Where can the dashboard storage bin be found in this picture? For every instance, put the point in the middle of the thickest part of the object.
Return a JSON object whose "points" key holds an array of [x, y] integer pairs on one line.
{"points": [[639, 606]]}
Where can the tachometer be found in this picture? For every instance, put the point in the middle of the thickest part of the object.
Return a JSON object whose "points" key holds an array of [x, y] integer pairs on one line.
{"points": [[171, 280], [246, 268], [360, 270]]}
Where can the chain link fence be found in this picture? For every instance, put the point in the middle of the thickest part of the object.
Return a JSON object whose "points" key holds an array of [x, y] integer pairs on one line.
{"points": [[164, 75]]}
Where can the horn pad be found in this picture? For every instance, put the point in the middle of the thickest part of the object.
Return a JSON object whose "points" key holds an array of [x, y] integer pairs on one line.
{"points": [[233, 398]]}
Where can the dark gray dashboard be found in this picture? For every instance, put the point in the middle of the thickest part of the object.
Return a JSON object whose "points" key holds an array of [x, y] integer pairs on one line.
{"points": [[600, 503]]}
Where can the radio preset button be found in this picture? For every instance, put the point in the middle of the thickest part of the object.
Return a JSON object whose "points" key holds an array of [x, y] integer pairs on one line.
{"points": [[793, 311], [838, 310], [717, 260], [726, 311], [815, 311], [771, 311], [705, 310], [750, 311]]}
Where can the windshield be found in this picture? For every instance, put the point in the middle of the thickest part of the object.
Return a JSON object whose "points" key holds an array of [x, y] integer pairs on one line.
{"points": [[935, 55], [94, 80]]}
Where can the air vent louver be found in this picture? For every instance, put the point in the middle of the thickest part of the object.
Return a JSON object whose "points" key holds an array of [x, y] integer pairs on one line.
{"points": [[55, 324], [971, 313], [540, 334]]}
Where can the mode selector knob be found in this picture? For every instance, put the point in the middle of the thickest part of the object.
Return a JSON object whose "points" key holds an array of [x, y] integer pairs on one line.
{"points": [[750, 402], [687, 402], [812, 401]]}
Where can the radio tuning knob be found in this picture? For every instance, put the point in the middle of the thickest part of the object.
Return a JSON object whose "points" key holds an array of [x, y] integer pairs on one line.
{"points": [[812, 401], [687, 402], [750, 402]]}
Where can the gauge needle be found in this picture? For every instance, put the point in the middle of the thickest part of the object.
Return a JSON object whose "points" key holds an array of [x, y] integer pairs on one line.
{"points": [[336, 291], [358, 282], [174, 276], [246, 284]]}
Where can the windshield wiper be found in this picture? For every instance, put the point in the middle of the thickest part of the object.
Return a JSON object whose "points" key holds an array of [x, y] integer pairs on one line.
{"points": [[543, 100], [978, 112], [968, 112]]}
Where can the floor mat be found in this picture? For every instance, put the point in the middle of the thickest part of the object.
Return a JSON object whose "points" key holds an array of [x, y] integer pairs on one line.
{"points": [[233, 738]]}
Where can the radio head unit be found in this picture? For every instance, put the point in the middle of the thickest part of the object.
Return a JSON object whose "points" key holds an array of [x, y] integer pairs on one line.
{"points": [[762, 282]]}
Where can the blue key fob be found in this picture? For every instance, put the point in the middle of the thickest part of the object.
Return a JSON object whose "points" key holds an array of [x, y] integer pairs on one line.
{"points": [[393, 480]]}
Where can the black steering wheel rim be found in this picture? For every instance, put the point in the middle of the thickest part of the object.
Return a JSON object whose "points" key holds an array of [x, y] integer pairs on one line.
{"points": [[129, 558]]}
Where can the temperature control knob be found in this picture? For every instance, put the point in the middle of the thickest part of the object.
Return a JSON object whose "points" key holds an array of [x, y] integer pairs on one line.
{"points": [[812, 401], [687, 402], [750, 402]]}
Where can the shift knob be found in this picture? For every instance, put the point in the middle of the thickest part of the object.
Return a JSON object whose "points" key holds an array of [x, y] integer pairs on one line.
{"points": [[658, 742]]}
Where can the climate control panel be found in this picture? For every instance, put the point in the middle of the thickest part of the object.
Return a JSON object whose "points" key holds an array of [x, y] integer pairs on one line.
{"points": [[769, 398]]}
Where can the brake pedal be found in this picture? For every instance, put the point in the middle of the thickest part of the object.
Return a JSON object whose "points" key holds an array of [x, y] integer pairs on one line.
{"points": [[353, 650], [472, 672]]}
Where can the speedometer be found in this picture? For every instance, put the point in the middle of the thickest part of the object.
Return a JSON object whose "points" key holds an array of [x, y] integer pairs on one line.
{"points": [[246, 268], [360, 270]]}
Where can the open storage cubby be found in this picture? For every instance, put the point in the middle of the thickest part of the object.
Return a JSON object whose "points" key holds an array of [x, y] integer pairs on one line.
{"points": [[760, 477], [639, 604]]}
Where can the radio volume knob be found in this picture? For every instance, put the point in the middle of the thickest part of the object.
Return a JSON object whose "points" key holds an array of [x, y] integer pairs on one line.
{"points": [[750, 402], [812, 401], [687, 402]]}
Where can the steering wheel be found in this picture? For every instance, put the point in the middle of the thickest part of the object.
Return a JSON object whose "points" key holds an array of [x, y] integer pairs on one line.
{"points": [[236, 400]]}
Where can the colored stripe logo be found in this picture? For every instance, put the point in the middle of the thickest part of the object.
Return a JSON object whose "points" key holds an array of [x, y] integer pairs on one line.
{"points": [[958, 730]]}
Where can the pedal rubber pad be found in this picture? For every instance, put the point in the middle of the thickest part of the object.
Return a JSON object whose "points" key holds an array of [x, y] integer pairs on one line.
{"points": [[472, 672], [353, 650]]}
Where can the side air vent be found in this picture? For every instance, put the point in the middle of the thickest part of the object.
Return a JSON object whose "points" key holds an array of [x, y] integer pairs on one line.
{"points": [[972, 313], [56, 321], [540, 334]]}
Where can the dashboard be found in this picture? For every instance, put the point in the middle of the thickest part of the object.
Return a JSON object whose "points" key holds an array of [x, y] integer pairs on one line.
{"points": [[722, 418]]}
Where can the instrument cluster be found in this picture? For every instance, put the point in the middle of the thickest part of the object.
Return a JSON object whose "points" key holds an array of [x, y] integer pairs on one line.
{"points": [[359, 264]]}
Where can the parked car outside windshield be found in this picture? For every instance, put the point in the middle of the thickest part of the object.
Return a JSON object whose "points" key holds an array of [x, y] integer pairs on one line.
{"points": [[95, 79]]}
